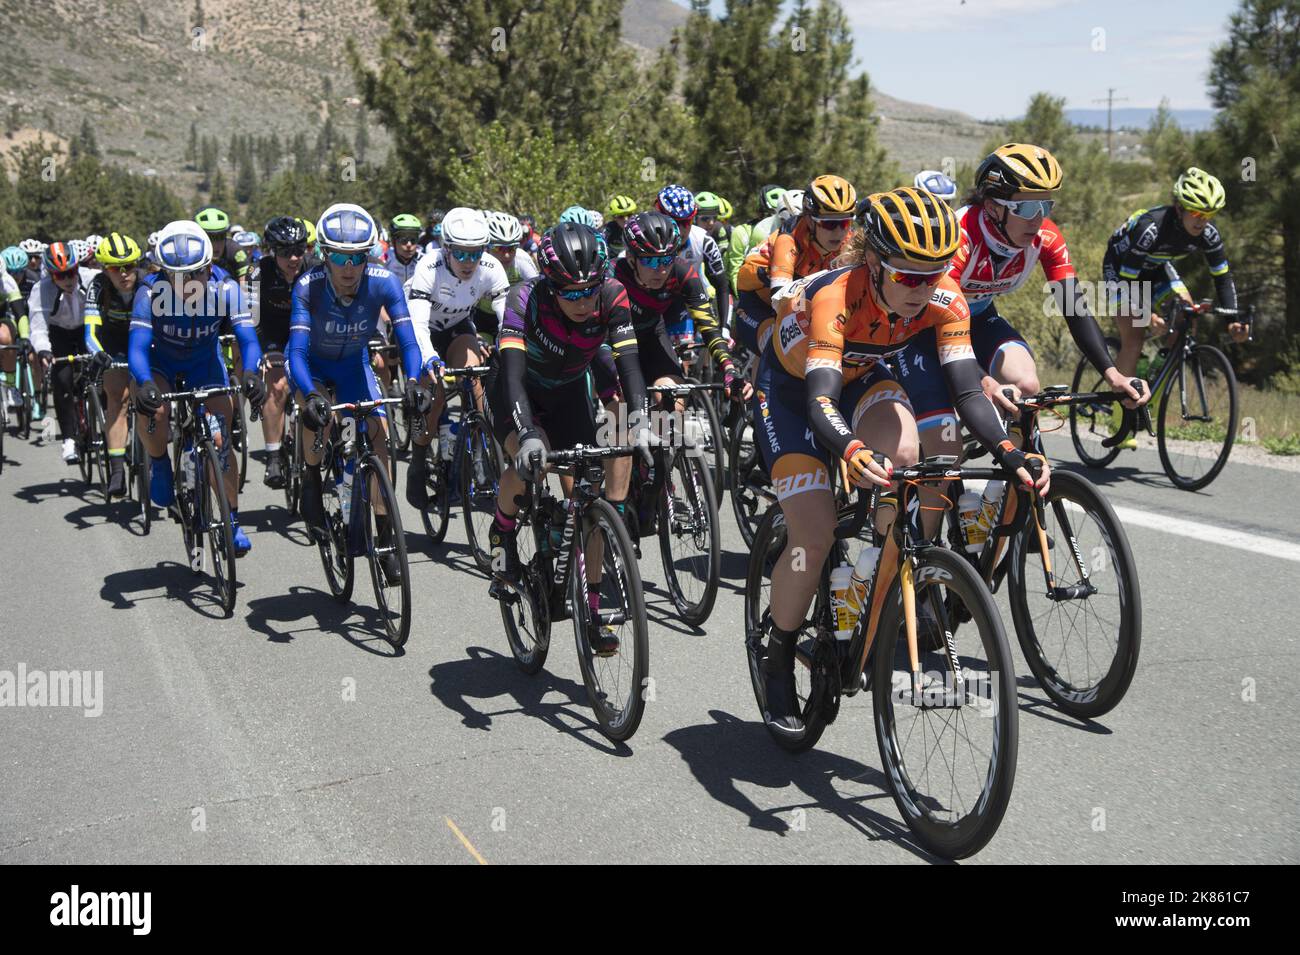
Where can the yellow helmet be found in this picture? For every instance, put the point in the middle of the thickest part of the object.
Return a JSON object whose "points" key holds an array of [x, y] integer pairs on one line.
{"points": [[830, 196], [724, 209], [622, 206], [117, 249], [1197, 190], [311, 231], [912, 223], [1018, 167]]}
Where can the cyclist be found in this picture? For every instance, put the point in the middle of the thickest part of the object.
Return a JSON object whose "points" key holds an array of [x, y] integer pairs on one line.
{"points": [[1005, 231], [709, 218], [1144, 250], [404, 253], [110, 303], [936, 183], [621, 208], [699, 249], [13, 314], [336, 309], [823, 386], [748, 236], [27, 281], [432, 235], [504, 235], [270, 303], [802, 246], [227, 257], [56, 315], [531, 238], [447, 286], [175, 325], [538, 397]]}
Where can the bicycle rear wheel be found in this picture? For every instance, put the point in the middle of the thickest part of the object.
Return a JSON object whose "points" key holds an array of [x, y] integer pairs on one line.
{"points": [[392, 596], [436, 513], [480, 474], [335, 556], [704, 425], [214, 521], [526, 611], [748, 485], [1090, 424], [27, 391], [615, 683], [949, 753], [1198, 410], [690, 542]]}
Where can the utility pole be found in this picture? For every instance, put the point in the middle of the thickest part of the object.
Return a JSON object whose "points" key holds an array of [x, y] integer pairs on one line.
{"points": [[1110, 101]]}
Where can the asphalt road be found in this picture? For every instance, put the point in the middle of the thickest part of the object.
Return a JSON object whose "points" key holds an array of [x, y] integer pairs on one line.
{"points": [[293, 733]]}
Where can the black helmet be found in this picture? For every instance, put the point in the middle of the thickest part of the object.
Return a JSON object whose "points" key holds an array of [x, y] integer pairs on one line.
{"points": [[652, 233], [572, 254], [285, 232]]}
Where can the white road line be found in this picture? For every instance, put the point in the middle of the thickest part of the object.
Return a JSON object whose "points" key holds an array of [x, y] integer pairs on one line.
{"points": [[1211, 534]]}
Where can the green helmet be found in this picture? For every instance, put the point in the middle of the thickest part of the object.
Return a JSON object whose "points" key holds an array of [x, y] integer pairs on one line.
{"points": [[212, 220], [770, 196], [405, 222], [708, 203], [622, 206], [1198, 191]]}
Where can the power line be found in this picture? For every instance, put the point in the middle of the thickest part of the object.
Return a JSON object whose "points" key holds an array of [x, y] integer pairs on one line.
{"points": [[1110, 101]]}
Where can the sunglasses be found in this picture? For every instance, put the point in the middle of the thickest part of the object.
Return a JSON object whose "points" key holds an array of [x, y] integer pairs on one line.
{"points": [[66, 273], [707, 220], [834, 225], [505, 248], [909, 279], [1202, 216], [656, 261], [577, 294], [1027, 208], [348, 258], [465, 255], [292, 251], [122, 269], [401, 238]]}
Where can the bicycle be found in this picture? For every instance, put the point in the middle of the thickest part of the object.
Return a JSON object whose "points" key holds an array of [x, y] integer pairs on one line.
{"points": [[1081, 631], [1195, 392], [137, 471], [352, 481], [238, 426], [401, 424], [673, 498], [201, 507], [394, 443], [290, 445], [748, 483], [32, 401], [957, 706], [92, 450], [703, 419], [553, 585]]}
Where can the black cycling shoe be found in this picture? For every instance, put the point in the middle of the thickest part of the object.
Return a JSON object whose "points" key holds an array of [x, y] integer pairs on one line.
{"points": [[783, 711], [602, 639], [417, 477], [313, 511], [504, 547], [274, 477], [116, 478]]}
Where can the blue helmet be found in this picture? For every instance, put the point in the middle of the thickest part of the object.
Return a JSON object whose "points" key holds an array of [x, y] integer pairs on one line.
{"points": [[937, 184], [346, 227], [15, 259], [183, 246], [677, 202], [578, 214]]}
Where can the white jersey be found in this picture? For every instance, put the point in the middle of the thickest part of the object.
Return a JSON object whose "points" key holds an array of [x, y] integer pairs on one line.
{"points": [[438, 300], [47, 306], [402, 271]]}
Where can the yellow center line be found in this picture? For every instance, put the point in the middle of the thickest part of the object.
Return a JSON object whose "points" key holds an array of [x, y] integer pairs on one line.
{"points": [[469, 846]]}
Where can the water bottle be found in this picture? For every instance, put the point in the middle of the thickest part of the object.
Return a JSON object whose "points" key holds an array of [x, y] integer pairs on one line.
{"points": [[345, 489], [559, 515], [860, 582], [970, 507], [444, 440], [841, 582], [991, 505], [187, 465]]}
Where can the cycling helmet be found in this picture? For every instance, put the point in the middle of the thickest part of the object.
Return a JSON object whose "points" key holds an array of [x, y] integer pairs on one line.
{"points": [[15, 259], [830, 196], [32, 246], [724, 209], [571, 254], [466, 228], [117, 249], [284, 232], [504, 229], [578, 214], [405, 222], [1197, 190], [912, 223], [676, 201], [791, 204], [1017, 167], [346, 227], [769, 197], [708, 203], [212, 220], [60, 257], [935, 182], [652, 233], [236, 228], [84, 252], [93, 241], [311, 230], [622, 206], [152, 241], [246, 239], [183, 246]]}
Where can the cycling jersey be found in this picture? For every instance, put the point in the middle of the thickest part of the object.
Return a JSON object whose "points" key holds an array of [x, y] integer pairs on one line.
{"points": [[1151, 240], [11, 297], [270, 303], [985, 266], [175, 333], [403, 270], [683, 291], [326, 330], [48, 307], [701, 250], [795, 253], [439, 300], [108, 316]]}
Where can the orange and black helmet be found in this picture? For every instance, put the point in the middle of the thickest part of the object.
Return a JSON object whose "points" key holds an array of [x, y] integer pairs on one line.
{"points": [[830, 197], [59, 257]]}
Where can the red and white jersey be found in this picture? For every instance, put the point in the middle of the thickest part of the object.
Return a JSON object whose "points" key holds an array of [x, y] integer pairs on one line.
{"points": [[984, 266]]}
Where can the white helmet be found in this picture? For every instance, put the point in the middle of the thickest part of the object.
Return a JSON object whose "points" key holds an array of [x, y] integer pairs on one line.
{"points": [[467, 228], [93, 241], [31, 246], [81, 249], [936, 183], [791, 204], [153, 240], [597, 219], [183, 246], [346, 227], [504, 229]]}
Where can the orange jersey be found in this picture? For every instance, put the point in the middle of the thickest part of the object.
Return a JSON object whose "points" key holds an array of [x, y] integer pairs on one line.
{"points": [[829, 320], [754, 275], [796, 254]]}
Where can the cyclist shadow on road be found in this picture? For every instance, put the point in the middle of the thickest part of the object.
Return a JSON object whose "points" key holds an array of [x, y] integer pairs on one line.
{"points": [[487, 674], [660, 610], [730, 751], [1105, 477], [277, 519], [51, 490], [307, 610], [126, 589]]}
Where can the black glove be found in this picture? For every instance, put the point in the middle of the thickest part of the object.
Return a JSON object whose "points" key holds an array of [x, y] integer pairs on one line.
{"points": [[418, 398], [254, 389], [148, 398], [46, 357], [530, 460], [316, 413], [1010, 457], [101, 360]]}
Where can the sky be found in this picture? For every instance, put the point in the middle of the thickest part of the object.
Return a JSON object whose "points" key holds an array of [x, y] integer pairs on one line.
{"points": [[986, 57]]}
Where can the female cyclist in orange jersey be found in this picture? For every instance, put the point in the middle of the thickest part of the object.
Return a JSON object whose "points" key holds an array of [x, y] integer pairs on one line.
{"points": [[824, 389]]}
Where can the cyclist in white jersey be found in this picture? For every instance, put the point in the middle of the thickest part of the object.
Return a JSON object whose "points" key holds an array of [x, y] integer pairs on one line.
{"points": [[448, 284]]}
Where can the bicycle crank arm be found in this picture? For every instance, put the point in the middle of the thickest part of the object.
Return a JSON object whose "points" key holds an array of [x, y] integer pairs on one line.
{"points": [[1081, 591]]}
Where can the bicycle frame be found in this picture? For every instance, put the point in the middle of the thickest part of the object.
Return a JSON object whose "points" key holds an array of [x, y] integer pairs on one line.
{"points": [[357, 448]]}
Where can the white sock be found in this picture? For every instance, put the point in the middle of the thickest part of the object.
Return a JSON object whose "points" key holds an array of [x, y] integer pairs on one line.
{"points": [[273, 447]]}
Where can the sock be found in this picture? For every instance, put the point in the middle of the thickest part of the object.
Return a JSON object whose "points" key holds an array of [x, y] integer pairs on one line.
{"points": [[503, 523], [272, 447], [593, 600], [620, 506], [117, 452]]}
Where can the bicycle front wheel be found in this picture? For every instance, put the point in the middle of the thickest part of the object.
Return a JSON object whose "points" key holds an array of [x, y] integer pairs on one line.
{"points": [[239, 434], [747, 482], [436, 513], [1198, 419], [690, 543], [140, 479], [704, 428], [1091, 424], [616, 682], [86, 439], [389, 571], [98, 444], [947, 740], [525, 611], [480, 474], [291, 453], [335, 556], [213, 516]]}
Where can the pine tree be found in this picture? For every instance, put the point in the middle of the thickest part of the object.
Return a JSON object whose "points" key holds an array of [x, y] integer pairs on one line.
{"points": [[192, 147], [361, 142]]}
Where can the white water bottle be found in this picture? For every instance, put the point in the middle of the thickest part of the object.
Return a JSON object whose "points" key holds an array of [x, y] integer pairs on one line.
{"points": [[970, 508], [445, 440], [841, 581], [860, 582], [991, 505], [345, 491], [187, 467]]}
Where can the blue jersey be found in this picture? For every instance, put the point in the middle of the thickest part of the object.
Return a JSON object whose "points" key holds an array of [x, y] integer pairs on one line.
{"points": [[324, 329], [168, 330]]}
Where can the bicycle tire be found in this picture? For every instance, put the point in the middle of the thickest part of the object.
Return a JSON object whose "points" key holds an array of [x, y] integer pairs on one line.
{"points": [[746, 474], [1193, 375], [98, 443], [291, 454], [526, 612], [1085, 419], [239, 437], [140, 479], [697, 496], [217, 524], [618, 724], [935, 567], [85, 440], [335, 555], [478, 502], [436, 513], [714, 450], [398, 627], [26, 394], [1092, 699]]}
